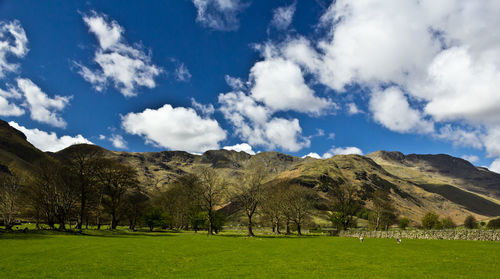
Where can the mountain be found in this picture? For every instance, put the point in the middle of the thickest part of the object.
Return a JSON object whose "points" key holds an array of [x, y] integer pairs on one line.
{"points": [[417, 184]]}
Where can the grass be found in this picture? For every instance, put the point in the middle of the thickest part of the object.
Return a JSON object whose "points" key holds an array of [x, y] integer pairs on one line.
{"points": [[121, 254]]}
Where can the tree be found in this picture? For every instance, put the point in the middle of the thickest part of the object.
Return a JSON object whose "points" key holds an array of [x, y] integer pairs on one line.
{"points": [[494, 224], [272, 204], [10, 189], [382, 215], [430, 221], [51, 192], [403, 223], [115, 179], [345, 205], [180, 200], [83, 162], [136, 203], [212, 192], [249, 192], [299, 202], [447, 223], [470, 222], [155, 218]]}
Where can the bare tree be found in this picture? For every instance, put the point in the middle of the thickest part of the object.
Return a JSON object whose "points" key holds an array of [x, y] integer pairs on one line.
{"points": [[9, 198], [213, 191], [82, 162], [136, 203], [382, 215], [299, 203], [249, 192], [115, 179], [345, 204], [272, 205]]}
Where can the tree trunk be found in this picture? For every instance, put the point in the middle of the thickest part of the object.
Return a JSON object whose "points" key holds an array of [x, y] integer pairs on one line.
{"points": [[82, 211], [114, 222], [210, 220], [250, 232], [287, 227], [298, 229]]}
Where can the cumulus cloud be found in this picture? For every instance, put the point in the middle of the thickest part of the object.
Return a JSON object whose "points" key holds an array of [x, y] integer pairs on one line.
{"points": [[43, 108], [125, 67], [283, 16], [460, 137], [390, 108], [219, 15], [48, 141], [245, 147], [235, 83], [348, 150], [9, 109], [470, 158], [255, 124], [118, 141], [175, 128], [495, 166], [279, 84], [13, 42]]}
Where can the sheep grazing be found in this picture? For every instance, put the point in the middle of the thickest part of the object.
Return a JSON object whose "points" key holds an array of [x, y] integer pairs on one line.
{"points": [[398, 240], [361, 238]]}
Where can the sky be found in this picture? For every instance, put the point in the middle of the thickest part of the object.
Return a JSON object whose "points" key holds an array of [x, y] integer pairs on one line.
{"points": [[306, 78]]}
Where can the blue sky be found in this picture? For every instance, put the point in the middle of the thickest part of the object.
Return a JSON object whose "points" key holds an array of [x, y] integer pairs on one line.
{"points": [[299, 77]]}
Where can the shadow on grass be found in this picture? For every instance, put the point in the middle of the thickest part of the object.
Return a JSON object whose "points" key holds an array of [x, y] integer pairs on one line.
{"points": [[39, 234], [277, 236]]}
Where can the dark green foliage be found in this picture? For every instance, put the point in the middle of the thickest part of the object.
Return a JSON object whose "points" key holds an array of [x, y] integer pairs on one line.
{"points": [[430, 221], [447, 223], [470, 222], [364, 213], [155, 218], [200, 221], [494, 224], [403, 223]]}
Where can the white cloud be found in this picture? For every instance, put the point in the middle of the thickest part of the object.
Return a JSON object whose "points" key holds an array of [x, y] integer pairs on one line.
{"points": [[492, 141], [220, 15], [470, 158], [118, 141], [48, 141], [279, 84], [245, 147], [43, 108], [254, 123], [175, 128], [235, 83], [9, 109], [352, 109], [182, 73], [331, 136], [495, 166], [283, 16], [460, 137], [312, 155], [342, 151], [203, 109], [102, 137], [336, 151], [126, 67], [13, 42], [391, 109]]}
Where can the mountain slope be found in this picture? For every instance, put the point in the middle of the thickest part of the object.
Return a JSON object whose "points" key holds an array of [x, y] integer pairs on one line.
{"points": [[416, 183]]}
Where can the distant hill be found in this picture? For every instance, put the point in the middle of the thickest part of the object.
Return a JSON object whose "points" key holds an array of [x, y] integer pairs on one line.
{"points": [[417, 184]]}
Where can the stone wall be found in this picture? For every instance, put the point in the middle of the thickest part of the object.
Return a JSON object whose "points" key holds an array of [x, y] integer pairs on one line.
{"points": [[484, 235]]}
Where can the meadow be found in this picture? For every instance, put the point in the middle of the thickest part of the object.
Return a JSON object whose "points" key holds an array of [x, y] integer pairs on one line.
{"points": [[122, 254]]}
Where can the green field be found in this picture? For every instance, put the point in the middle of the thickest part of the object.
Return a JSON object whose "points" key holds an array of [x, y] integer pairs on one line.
{"points": [[182, 255]]}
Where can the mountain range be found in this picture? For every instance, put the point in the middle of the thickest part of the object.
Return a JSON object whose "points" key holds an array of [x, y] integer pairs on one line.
{"points": [[417, 184]]}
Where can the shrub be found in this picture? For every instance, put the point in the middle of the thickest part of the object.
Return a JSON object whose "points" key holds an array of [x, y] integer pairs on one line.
{"points": [[403, 223], [494, 224], [155, 218], [470, 222], [447, 223], [430, 221]]}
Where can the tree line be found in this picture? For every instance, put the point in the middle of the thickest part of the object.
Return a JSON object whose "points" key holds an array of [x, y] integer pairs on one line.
{"points": [[87, 189]]}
